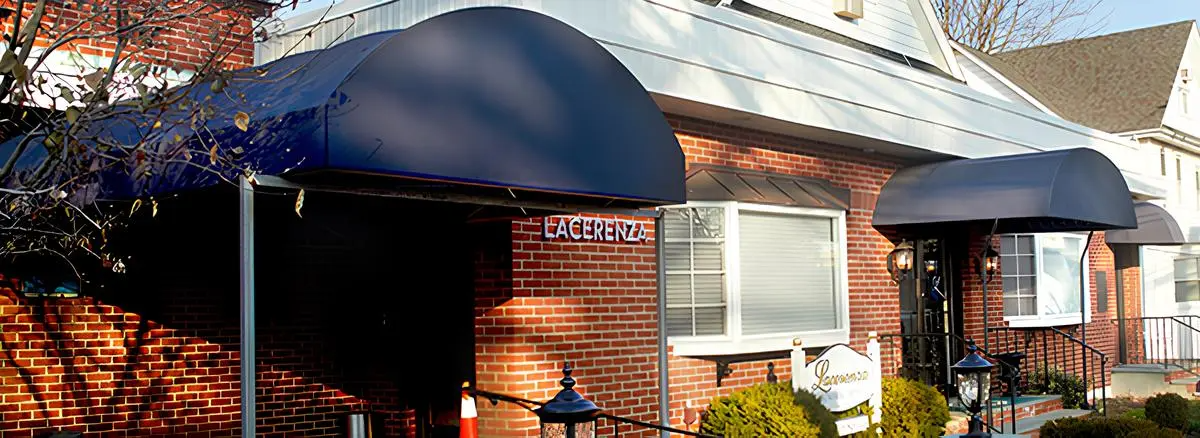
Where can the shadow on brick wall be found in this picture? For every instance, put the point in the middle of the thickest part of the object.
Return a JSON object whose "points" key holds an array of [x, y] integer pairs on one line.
{"points": [[361, 305]]}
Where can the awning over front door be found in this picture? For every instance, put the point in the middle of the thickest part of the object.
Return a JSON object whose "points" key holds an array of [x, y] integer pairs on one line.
{"points": [[1155, 227], [501, 101], [1062, 190]]}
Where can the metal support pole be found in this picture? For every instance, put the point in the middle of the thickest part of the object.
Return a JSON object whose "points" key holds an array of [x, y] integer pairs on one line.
{"points": [[1121, 254], [246, 329], [1083, 306], [664, 388]]}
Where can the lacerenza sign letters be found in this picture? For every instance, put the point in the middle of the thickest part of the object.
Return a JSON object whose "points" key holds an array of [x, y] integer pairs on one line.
{"points": [[589, 229]]}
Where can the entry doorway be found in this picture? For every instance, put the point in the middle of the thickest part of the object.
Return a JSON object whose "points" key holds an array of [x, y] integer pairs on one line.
{"points": [[931, 315]]}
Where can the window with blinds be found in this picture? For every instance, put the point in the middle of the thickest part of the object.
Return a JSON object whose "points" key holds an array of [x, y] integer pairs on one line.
{"points": [[694, 265], [788, 273], [735, 270]]}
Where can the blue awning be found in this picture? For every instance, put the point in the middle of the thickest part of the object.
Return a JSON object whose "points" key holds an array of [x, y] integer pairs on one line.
{"points": [[1062, 190], [500, 98]]}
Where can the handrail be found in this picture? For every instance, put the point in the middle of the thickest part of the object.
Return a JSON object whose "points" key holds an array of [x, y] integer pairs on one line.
{"points": [[495, 397], [1063, 358], [1072, 338], [1167, 341]]}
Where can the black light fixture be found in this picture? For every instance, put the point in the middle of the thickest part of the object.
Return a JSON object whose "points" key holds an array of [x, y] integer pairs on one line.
{"points": [[991, 262], [900, 261], [973, 375], [568, 415]]}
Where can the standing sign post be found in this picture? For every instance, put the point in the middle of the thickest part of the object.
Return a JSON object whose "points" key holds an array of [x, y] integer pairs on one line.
{"points": [[842, 379]]}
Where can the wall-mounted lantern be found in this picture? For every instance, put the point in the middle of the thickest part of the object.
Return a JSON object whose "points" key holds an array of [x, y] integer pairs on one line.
{"points": [[568, 415], [931, 267], [900, 261], [991, 263]]}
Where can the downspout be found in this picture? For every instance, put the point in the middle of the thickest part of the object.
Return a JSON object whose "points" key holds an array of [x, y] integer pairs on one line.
{"points": [[247, 326], [664, 388]]}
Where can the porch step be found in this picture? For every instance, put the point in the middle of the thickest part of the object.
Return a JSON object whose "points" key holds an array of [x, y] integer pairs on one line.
{"points": [[1032, 424], [1145, 380], [1027, 407]]}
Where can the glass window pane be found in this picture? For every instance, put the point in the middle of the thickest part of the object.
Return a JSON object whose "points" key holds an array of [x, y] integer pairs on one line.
{"points": [[789, 273], [708, 222], [1186, 291], [1185, 269], [1010, 285], [708, 256], [677, 255], [1059, 282], [676, 222], [1028, 305], [1011, 308], [710, 321], [1008, 265], [1008, 244], [1025, 244], [679, 322], [710, 289], [1026, 265], [679, 290]]}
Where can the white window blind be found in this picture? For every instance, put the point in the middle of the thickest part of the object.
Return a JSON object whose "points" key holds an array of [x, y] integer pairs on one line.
{"points": [[788, 271], [694, 259]]}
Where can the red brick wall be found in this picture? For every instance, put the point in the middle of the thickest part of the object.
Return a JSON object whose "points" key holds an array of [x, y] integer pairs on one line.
{"points": [[874, 301], [205, 33], [590, 304]]}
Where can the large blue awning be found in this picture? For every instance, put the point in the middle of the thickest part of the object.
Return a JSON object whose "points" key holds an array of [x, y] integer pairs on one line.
{"points": [[498, 98]]}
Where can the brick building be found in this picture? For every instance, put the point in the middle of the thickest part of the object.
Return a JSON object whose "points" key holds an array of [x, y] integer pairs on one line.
{"points": [[432, 251]]}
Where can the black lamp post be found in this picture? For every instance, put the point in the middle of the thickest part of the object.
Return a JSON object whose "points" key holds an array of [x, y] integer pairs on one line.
{"points": [[900, 262], [974, 377], [568, 415], [991, 262]]}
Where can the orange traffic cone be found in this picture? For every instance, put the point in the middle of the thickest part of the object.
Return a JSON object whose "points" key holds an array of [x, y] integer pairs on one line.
{"points": [[468, 422]]}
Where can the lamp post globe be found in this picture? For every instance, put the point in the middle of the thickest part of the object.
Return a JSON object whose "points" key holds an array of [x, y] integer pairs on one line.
{"points": [[991, 262], [900, 261], [568, 414], [973, 375]]}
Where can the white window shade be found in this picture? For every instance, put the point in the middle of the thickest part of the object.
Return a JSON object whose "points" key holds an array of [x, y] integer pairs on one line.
{"points": [[1060, 275], [788, 273]]}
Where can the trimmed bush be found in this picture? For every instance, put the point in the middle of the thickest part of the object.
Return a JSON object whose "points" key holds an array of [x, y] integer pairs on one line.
{"points": [[764, 410], [1052, 381], [1168, 410], [1104, 427], [1139, 413], [818, 414], [913, 409]]}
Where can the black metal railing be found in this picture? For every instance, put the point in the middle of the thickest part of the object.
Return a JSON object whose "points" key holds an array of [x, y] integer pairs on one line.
{"points": [[1047, 350], [1167, 341], [927, 357], [612, 421]]}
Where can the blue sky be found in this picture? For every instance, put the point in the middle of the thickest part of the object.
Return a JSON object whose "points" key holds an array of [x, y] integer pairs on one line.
{"points": [[1133, 14]]}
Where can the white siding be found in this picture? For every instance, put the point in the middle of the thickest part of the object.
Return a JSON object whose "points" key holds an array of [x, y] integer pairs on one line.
{"points": [[886, 23], [980, 80], [1175, 117]]}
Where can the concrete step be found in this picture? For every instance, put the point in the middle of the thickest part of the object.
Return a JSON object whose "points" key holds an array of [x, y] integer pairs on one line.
{"points": [[1032, 424]]}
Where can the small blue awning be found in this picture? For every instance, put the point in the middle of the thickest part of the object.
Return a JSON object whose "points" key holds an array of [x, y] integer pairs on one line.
{"points": [[495, 98], [1062, 190]]}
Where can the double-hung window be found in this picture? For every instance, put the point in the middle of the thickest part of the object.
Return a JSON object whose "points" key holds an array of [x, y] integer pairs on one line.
{"points": [[1187, 279], [744, 278], [1041, 275]]}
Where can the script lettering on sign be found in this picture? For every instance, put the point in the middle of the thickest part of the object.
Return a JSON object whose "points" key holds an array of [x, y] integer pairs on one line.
{"points": [[840, 377], [587, 229]]}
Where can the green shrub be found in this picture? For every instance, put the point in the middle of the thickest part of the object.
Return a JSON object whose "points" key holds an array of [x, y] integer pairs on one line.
{"points": [[1168, 410], [818, 414], [764, 410], [1103, 427], [913, 409], [1139, 413], [1052, 381]]}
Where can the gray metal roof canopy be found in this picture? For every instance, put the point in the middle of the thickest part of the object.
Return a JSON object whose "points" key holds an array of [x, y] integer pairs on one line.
{"points": [[1075, 189], [1155, 227], [718, 183]]}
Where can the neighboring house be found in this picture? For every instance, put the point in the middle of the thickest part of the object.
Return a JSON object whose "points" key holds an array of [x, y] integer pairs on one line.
{"points": [[814, 139], [1139, 85]]}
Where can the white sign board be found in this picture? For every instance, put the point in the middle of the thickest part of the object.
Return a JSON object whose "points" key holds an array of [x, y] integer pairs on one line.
{"points": [[842, 378]]}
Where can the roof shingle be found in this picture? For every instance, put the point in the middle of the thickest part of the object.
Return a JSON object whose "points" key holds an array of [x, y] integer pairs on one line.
{"points": [[1116, 83]]}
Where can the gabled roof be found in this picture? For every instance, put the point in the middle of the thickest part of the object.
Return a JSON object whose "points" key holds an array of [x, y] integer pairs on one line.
{"points": [[1116, 83], [1010, 73]]}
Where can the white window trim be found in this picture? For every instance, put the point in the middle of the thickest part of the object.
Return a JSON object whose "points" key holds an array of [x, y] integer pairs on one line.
{"points": [[733, 342], [1175, 282], [1039, 320]]}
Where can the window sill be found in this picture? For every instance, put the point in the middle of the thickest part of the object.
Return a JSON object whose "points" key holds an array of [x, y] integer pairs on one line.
{"points": [[1045, 321], [725, 346]]}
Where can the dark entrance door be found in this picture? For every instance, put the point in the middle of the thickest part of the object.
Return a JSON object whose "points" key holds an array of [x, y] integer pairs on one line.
{"points": [[929, 316]]}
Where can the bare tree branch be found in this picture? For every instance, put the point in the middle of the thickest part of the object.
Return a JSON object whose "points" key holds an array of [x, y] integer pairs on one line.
{"points": [[998, 25]]}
